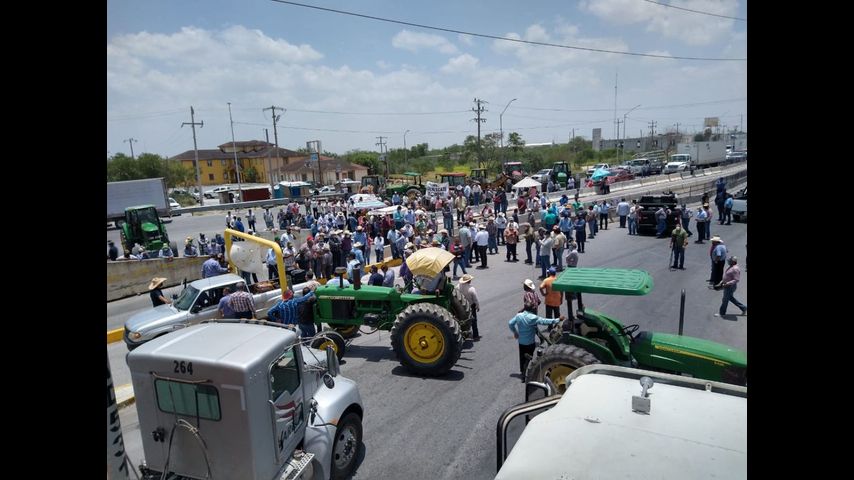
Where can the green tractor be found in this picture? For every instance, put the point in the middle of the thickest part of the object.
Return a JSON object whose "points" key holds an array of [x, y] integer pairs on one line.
{"points": [[409, 186], [560, 174], [426, 329], [142, 225], [602, 339], [374, 184], [479, 175]]}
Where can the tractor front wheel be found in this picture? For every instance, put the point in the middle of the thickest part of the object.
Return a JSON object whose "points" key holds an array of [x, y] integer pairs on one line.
{"points": [[426, 339], [557, 362], [346, 331], [331, 338]]}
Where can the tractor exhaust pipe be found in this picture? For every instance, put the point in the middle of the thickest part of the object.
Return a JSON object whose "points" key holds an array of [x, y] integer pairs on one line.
{"points": [[682, 312]]}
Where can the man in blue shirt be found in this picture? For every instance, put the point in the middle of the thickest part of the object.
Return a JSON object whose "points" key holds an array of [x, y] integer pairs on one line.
{"points": [[524, 328], [727, 210], [287, 311]]}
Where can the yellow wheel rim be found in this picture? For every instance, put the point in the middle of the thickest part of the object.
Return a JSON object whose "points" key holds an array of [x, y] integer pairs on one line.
{"points": [[558, 374], [347, 330], [328, 343], [424, 342]]}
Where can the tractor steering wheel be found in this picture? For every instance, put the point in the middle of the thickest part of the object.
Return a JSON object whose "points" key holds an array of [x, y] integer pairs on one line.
{"points": [[629, 330]]}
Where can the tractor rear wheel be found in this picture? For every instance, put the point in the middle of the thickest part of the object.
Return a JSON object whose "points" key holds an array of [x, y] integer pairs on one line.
{"points": [[557, 362], [461, 309], [125, 246], [413, 192], [330, 338], [174, 247], [426, 339], [346, 331]]}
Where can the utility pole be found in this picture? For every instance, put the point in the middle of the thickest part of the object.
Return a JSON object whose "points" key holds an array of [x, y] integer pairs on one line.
{"points": [[196, 152], [275, 136], [381, 142], [269, 152], [479, 110], [234, 148], [130, 141], [616, 77], [405, 152], [652, 131]]}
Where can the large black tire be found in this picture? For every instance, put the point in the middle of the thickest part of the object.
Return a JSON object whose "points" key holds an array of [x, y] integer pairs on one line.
{"points": [[346, 331], [461, 309], [174, 247], [127, 248], [426, 339], [345, 448], [330, 337], [558, 361]]}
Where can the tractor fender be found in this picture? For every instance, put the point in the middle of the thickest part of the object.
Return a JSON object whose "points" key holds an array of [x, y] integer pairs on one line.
{"points": [[601, 352]]}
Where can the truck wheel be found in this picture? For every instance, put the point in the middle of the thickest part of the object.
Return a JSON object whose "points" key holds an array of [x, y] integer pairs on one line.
{"points": [[426, 339], [345, 448], [557, 362], [174, 247], [461, 309], [346, 331], [330, 338]]}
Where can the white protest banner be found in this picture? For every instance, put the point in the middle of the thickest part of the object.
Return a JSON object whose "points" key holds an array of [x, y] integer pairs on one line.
{"points": [[437, 189]]}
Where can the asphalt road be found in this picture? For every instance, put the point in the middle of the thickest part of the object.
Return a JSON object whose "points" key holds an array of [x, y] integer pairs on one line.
{"points": [[427, 428]]}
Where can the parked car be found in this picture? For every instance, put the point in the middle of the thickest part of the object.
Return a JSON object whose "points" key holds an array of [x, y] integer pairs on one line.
{"points": [[739, 206], [675, 167], [596, 167], [639, 166], [543, 175], [620, 174]]}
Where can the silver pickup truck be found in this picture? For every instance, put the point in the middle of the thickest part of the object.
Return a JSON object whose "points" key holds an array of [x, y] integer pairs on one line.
{"points": [[198, 301]]}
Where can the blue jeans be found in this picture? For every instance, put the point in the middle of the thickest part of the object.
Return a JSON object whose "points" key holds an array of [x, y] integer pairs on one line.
{"points": [[633, 226], [467, 256], [678, 257], [661, 227], [458, 262], [307, 330], [544, 264], [493, 248], [557, 253], [708, 229], [477, 199], [729, 296]]}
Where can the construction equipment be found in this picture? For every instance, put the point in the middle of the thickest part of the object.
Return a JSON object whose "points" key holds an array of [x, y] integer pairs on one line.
{"points": [[452, 179], [374, 184]]}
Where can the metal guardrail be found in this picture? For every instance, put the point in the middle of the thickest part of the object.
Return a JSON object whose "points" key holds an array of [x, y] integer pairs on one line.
{"points": [[232, 206]]}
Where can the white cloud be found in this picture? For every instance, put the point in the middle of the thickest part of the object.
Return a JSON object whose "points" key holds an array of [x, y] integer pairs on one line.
{"points": [[383, 64], [688, 27], [414, 41], [467, 39], [460, 64]]}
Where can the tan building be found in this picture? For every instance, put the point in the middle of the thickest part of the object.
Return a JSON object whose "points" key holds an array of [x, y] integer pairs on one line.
{"points": [[256, 158], [331, 169], [261, 163]]}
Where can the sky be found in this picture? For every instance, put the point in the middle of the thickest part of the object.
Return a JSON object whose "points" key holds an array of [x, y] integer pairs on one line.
{"points": [[346, 80]]}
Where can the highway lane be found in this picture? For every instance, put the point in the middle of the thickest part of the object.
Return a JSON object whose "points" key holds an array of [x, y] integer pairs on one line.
{"points": [[426, 428]]}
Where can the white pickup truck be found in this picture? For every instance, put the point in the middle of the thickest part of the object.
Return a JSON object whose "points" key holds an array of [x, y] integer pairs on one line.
{"points": [[198, 301], [739, 206]]}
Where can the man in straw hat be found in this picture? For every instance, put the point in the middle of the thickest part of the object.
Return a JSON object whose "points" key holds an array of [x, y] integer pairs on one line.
{"points": [[157, 296], [718, 258], [470, 294], [530, 299]]}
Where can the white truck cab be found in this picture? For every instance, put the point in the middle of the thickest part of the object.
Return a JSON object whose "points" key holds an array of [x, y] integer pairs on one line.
{"points": [[619, 422]]}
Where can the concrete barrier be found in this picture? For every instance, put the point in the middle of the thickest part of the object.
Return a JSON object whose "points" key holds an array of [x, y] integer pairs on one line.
{"points": [[131, 277]]}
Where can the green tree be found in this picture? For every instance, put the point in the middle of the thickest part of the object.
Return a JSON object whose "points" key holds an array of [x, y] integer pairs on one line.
{"points": [[121, 167], [515, 142], [367, 159], [250, 174]]}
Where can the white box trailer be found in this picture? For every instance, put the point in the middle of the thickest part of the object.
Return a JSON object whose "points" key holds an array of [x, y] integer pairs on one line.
{"points": [[133, 193], [701, 154]]}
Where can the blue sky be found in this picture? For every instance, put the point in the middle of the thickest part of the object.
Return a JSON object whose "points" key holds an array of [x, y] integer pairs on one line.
{"points": [[346, 80]]}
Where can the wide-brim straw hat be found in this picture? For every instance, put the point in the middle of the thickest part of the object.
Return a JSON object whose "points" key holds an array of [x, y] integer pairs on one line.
{"points": [[466, 278], [529, 283], [156, 282]]}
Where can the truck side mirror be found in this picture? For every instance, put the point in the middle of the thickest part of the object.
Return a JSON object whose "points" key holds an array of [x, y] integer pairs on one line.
{"points": [[196, 308], [332, 365], [174, 296]]}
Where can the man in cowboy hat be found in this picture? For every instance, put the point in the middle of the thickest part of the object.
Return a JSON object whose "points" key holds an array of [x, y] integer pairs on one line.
{"points": [[470, 294], [530, 299], [190, 250], [718, 257], [157, 297], [113, 252], [482, 241], [524, 328]]}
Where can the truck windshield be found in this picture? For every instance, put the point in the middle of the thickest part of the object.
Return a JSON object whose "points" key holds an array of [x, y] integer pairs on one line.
{"points": [[185, 300]]}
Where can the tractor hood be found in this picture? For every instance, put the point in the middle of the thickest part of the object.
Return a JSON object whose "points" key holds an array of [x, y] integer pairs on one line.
{"points": [[149, 227], [701, 358]]}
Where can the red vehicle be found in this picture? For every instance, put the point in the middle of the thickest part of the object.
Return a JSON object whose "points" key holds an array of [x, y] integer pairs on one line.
{"points": [[618, 174]]}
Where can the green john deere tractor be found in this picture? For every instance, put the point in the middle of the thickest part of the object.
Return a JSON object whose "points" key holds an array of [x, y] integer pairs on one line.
{"points": [[142, 225], [599, 338], [560, 174], [410, 185], [426, 329]]}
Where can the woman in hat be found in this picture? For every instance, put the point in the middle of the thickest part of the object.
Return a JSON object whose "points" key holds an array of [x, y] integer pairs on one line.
{"points": [[157, 297]]}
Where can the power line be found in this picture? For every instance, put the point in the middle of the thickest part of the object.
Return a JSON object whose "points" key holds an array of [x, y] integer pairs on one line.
{"points": [[695, 11], [496, 37], [712, 102], [378, 113]]}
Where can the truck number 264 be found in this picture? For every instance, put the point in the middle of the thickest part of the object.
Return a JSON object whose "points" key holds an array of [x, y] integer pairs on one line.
{"points": [[183, 367]]}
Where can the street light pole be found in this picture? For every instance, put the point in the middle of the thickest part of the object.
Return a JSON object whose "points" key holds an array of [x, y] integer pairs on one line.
{"points": [[404, 147], [624, 129], [501, 127], [233, 147]]}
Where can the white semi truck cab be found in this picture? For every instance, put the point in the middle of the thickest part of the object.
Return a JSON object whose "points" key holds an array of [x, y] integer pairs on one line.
{"points": [[243, 399]]}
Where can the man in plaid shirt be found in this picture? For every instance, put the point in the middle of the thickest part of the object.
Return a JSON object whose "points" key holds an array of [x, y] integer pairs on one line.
{"points": [[242, 302]]}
